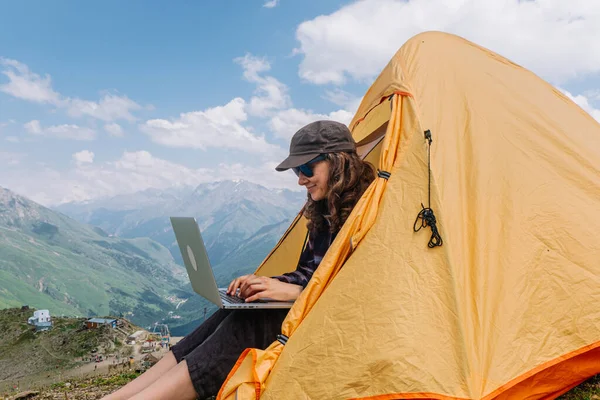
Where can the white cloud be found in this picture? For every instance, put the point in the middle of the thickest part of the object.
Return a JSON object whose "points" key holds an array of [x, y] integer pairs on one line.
{"points": [[74, 132], [342, 98], [148, 171], [5, 124], [224, 126], [132, 172], [287, 122], [554, 38], [83, 157], [271, 3], [584, 102], [217, 127], [592, 94], [271, 94], [109, 108], [65, 131], [114, 129], [11, 159], [33, 127], [10, 138], [26, 85], [140, 170], [263, 174]]}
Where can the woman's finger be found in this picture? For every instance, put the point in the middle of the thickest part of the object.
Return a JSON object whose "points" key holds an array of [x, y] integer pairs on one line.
{"points": [[257, 296], [252, 287], [230, 286], [247, 281], [235, 284]]}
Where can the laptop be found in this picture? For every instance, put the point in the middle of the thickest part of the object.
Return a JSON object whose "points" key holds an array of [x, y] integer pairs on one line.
{"points": [[200, 271]]}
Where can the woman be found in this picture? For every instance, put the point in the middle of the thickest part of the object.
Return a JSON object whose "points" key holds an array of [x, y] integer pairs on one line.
{"points": [[323, 156]]}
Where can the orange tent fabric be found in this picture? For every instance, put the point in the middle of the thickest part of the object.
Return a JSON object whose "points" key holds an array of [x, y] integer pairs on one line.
{"points": [[508, 306]]}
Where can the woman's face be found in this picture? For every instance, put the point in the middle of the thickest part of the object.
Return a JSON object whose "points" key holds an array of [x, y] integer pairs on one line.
{"points": [[317, 185]]}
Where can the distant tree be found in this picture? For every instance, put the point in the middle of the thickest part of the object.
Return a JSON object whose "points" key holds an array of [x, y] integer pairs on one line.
{"points": [[45, 229]]}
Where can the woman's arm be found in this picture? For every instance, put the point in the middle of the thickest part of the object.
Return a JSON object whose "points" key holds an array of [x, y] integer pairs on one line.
{"points": [[288, 286], [262, 287], [253, 287]]}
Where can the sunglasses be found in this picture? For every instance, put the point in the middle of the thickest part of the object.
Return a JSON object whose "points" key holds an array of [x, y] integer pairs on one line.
{"points": [[307, 168]]}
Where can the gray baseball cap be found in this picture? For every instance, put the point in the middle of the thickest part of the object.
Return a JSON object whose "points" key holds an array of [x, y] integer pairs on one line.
{"points": [[316, 138]]}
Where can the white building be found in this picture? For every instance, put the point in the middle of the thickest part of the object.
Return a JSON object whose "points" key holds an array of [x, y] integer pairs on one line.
{"points": [[41, 319]]}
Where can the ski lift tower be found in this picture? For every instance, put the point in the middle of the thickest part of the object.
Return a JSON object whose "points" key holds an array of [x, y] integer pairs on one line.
{"points": [[165, 334]]}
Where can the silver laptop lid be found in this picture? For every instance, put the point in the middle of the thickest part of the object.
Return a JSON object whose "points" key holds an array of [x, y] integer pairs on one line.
{"points": [[195, 258]]}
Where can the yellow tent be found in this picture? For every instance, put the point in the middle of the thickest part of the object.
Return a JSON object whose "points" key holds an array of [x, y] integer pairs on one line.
{"points": [[508, 307]]}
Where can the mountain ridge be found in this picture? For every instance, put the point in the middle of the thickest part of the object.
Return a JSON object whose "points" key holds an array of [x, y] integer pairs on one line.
{"points": [[227, 212]]}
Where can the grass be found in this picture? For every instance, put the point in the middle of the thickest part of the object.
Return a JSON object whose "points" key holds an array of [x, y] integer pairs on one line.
{"points": [[115, 380], [589, 390]]}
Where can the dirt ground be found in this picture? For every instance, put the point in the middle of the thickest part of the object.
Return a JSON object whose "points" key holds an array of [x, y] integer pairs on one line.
{"points": [[87, 370]]}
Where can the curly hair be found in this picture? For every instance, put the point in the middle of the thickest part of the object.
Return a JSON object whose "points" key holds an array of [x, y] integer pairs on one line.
{"points": [[349, 177]]}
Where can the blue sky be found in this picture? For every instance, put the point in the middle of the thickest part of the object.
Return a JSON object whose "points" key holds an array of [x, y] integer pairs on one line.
{"points": [[99, 99]]}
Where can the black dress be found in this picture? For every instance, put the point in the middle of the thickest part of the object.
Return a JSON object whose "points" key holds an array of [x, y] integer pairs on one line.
{"points": [[213, 348]]}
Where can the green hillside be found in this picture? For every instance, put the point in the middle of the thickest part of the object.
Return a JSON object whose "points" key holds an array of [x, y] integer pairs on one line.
{"points": [[48, 260]]}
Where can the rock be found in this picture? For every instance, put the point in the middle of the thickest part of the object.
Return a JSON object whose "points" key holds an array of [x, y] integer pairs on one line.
{"points": [[25, 395]]}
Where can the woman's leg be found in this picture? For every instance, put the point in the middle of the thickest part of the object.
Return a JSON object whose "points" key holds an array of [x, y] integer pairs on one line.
{"points": [[209, 364], [161, 368], [202, 370], [175, 384]]}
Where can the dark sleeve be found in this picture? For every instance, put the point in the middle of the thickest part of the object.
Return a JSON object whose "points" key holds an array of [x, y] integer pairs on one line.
{"points": [[307, 265]]}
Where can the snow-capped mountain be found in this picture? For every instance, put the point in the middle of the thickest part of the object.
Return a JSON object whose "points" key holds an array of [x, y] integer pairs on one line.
{"points": [[228, 213]]}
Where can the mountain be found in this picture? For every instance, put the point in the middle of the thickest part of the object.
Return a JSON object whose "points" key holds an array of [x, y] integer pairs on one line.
{"points": [[109, 213], [228, 213], [49, 260]]}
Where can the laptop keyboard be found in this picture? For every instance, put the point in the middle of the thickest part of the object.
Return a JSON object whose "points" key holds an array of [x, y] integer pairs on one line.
{"points": [[231, 299]]}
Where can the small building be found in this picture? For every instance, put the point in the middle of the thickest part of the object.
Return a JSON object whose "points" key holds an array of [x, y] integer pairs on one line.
{"points": [[136, 336], [94, 323], [41, 320], [39, 316]]}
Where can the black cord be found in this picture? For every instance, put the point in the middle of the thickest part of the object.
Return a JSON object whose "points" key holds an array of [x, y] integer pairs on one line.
{"points": [[426, 214], [428, 219]]}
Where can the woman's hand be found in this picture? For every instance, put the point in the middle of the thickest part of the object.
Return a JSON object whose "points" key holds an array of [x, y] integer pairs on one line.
{"points": [[254, 287], [237, 283]]}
